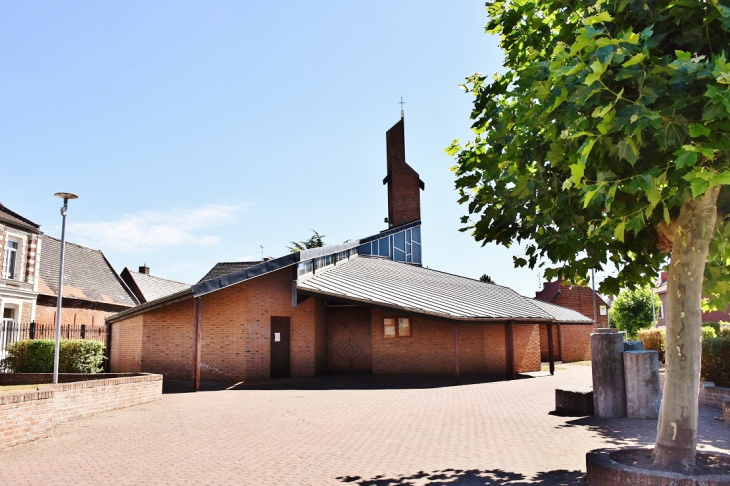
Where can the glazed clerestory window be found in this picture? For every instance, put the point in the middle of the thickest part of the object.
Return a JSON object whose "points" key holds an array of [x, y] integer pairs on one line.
{"points": [[396, 327]]}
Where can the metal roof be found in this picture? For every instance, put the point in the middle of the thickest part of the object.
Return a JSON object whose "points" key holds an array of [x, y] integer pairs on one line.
{"points": [[563, 314], [383, 282], [88, 275]]}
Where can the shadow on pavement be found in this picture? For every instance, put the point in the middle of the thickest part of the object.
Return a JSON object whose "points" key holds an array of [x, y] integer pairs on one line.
{"points": [[623, 432], [343, 382], [490, 477]]}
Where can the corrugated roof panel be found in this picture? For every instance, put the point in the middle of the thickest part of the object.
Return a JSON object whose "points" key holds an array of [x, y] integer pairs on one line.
{"points": [[389, 283]]}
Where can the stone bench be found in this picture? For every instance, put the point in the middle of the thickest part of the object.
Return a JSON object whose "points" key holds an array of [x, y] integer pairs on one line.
{"points": [[574, 401]]}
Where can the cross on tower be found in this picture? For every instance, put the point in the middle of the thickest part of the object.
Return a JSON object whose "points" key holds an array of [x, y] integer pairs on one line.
{"points": [[401, 103]]}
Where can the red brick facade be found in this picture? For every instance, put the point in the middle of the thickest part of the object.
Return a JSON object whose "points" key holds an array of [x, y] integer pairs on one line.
{"points": [[575, 342], [73, 311], [544, 348], [236, 342], [574, 297]]}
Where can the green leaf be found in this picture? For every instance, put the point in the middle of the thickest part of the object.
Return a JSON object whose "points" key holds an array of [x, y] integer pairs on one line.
{"points": [[601, 17], [620, 229], [627, 150], [686, 159], [636, 59], [721, 178], [589, 196], [683, 56], [600, 111], [577, 171], [667, 219], [697, 130], [654, 194]]}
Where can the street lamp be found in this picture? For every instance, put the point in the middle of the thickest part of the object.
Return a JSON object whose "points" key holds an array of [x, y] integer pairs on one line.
{"points": [[65, 196]]}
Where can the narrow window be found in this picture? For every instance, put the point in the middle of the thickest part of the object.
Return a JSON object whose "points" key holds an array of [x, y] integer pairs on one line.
{"points": [[389, 327], [11, 260], [404, 327]]}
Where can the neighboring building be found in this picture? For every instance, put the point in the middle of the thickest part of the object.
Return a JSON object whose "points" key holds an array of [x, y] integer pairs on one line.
{"points": [[366, 306], [92, 290], [20, 248], [661, 291], [575, 297], [224, 268], [147, 287]]}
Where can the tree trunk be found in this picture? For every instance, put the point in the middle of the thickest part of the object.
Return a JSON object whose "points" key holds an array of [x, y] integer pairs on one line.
{"points": [[676, 441]]}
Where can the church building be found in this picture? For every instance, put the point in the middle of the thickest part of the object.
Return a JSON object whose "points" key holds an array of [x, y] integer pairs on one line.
{"points": [[365, 306]]}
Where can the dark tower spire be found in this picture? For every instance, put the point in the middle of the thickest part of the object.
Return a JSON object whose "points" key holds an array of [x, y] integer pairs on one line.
{"points": [[404, 185]]}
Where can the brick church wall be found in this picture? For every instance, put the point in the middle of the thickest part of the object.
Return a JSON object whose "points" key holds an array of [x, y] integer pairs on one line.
{"points": [[575, 342], [544, 348]]}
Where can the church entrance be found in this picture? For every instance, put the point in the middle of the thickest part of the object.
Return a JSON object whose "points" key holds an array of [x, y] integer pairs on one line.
{"points": [[349, 348]]}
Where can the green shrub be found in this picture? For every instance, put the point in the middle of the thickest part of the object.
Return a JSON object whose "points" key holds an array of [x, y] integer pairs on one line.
{"points": [[632, 310], [724, 330], [36, 356], [708, 332], [714, 325], [654, 340], [716, 360]]}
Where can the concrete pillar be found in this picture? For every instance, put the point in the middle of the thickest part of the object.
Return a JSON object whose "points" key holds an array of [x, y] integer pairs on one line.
{"points": [[609, 394], [633, 346], [641, 375]]}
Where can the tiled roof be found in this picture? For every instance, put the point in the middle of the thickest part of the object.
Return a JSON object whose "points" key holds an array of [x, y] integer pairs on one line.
{"points": [[87, 274], [383, 282], [549, 292], [224, 268], [563, 314], [14, 219], [150, 287]]}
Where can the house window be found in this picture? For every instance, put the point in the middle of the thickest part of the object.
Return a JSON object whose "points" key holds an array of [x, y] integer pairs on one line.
{"points": [[603, 311], [10, 262], [396, 327]]}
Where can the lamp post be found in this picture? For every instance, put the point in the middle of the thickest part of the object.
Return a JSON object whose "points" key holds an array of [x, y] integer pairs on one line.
{"points": [[65, 196]]}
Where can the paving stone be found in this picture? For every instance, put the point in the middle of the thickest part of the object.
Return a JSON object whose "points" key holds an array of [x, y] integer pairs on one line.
{"points": [[339, 430]]}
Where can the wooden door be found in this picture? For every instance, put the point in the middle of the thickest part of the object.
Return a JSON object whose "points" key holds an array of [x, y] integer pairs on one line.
{"points": [[349, 348], [280, 347]]}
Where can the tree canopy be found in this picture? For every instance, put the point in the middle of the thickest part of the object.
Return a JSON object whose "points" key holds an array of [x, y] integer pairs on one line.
{"points": [[314, 241], [633, 310], [605, 143], [609, 117]]}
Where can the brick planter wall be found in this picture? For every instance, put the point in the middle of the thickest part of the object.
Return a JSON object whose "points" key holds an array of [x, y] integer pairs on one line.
{"points": [[27, 416], [710, 395]]}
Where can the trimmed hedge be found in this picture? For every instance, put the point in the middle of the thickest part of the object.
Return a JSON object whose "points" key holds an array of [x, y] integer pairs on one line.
{"points": [[654, 340], [716, 360], [714, 325], [36, 356], [708, 332]]}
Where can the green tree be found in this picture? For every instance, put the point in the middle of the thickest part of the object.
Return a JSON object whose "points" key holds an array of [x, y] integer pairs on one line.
{"points": [[606, 142], [632, 310], [314, 241], [486, 279]]}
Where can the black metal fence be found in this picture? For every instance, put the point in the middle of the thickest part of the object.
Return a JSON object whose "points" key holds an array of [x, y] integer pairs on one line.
{"points": [[11, 331]]}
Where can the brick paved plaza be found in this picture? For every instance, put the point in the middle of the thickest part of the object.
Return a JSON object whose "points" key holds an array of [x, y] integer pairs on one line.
{"points": [[339, 430]]}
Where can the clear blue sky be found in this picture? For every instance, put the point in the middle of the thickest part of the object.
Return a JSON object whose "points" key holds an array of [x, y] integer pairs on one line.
{"points": [[194, 132]]}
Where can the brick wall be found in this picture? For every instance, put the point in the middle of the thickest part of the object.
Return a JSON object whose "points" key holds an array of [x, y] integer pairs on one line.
{"points": [[581, 300], [235, 333], [167, 340], [527, 347], [575, 342], [26, 416], [74, 311], [404, 198], [544, 348], [126, 349], [495, 350]]}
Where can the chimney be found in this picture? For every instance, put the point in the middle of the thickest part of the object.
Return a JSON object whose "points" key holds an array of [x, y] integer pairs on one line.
{"points": [[144, 269], [404, 185]]}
